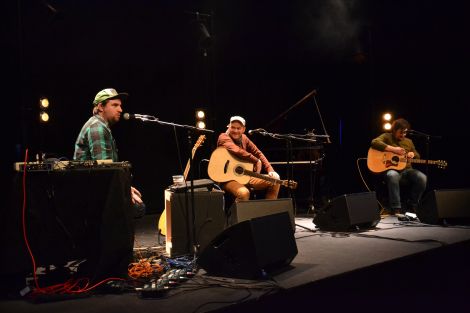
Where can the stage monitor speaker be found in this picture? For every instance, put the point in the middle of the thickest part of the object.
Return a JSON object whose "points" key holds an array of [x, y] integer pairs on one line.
{"points": [[446, 206], [245, 210], [251, 248], [349, 212]]}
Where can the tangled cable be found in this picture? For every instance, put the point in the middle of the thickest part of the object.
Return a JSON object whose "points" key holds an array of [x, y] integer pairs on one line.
{"points": [[145, 268]]}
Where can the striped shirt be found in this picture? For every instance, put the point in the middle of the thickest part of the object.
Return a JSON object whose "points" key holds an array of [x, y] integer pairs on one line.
{"points": [[95, 141]]}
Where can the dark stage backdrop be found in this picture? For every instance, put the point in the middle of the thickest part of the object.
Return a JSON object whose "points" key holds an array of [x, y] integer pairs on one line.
{"points": [[362, 57]]}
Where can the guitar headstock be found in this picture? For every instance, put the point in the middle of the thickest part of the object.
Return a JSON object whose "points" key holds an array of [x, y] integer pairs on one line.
{"points": [[199, 141], [290, 184], [441, 164]]}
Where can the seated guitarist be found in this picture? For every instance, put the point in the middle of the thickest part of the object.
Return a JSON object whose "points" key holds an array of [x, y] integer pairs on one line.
{"points": [[410, 178], [237, 143]]}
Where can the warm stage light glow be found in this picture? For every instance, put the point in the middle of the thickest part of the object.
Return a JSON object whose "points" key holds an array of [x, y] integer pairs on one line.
{"points": [[44, 103], [201, 124], [200, 118], [387, 121], [44, 117], [200, 114]]}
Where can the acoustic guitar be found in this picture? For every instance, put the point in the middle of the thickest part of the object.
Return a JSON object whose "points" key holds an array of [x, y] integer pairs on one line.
{"points": [[223, 167], [380, 161], [162, 220]]}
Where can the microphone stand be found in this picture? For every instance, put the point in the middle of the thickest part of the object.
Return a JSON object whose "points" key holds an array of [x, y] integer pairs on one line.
{"points": [[428, 142], [309, 138], [192, 233]]}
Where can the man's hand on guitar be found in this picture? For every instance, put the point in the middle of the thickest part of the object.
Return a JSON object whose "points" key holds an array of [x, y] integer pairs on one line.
{"points": [[396, 150], [274, 175], [258, 166]]}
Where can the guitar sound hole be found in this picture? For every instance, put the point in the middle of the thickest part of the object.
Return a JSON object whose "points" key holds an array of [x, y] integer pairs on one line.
{"points": [[395, 160], [239, 170]]}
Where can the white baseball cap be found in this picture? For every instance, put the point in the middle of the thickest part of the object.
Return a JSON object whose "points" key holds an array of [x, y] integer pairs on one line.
{"points": [[238, 118]]}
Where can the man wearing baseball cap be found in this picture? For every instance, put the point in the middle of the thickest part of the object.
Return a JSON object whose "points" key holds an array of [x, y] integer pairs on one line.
{"points": [[95, 140], [237, 143]]}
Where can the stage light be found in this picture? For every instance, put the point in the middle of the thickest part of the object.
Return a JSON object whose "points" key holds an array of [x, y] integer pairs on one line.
{"points": [[387, 121], [44, 117], [201, 124], [200, 114], [205, 39], [200, 118], [44, 103], [387, 117], [44, 106]]}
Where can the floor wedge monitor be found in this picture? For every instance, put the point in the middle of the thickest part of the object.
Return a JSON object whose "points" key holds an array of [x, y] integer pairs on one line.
{"points": [[349, 212], [446, 206], [251, 248], [245, 210]]}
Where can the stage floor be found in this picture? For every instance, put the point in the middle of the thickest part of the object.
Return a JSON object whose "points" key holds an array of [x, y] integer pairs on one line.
{"points": [[397, 265]]}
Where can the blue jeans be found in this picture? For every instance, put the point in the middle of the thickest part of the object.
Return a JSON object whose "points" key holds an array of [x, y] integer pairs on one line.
{"points": [[411, 179]]}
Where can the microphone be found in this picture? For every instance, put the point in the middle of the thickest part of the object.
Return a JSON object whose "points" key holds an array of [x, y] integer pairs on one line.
{"points": [[256, 131], [129, 116]]}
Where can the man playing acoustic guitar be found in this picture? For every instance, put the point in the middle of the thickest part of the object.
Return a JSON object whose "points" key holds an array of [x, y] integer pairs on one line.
{"points": [[410, 178], [239, 145]]}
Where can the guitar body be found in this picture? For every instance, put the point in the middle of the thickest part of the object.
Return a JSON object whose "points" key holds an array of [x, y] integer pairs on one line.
{"points": [[222, 166], [162, 223], [379, 161]]}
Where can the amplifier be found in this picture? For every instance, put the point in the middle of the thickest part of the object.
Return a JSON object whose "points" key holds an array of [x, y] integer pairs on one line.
{"points": [[204, 184]]}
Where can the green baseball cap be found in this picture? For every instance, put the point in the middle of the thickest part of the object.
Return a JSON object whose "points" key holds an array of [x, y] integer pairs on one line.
{"points": [[109, 93]]}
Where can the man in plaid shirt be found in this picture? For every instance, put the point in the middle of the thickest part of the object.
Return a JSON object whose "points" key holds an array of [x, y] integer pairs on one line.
{"points": [[95, 141]]}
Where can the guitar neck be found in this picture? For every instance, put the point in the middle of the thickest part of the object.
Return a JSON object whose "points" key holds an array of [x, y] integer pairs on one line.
{"points": [[188, 166], [420, 161], [267, 178], [186, 170], [193, 153]]}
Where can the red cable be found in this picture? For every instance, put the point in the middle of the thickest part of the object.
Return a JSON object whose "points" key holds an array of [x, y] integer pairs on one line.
{"points": [[68, 286], [25, 236]]}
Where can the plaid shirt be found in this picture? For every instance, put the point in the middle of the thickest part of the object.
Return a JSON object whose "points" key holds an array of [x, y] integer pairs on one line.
{"points": [[95, 141]]}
